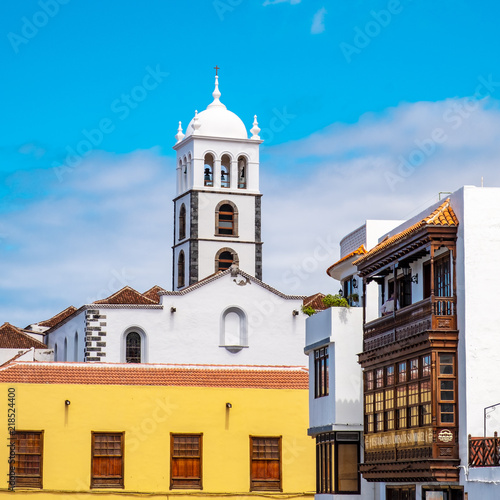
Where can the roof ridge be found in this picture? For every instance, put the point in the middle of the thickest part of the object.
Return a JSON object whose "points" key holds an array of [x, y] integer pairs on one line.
{"points": [[219, 274], [47, 321], [107, 300], [155, 366]]}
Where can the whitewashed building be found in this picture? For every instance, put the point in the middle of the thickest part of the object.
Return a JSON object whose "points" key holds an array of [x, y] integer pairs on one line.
{"points": [[430, 397]]}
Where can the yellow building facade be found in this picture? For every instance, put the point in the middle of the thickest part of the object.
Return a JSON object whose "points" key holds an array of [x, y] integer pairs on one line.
{"points": [[155, 430]]}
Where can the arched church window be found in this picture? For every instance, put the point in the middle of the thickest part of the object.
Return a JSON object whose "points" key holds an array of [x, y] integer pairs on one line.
{"points": [[208, 174], [226, 220], [65, 356], [242, 172], [133, 348], [225, 171], [234, 329], [75, 347], [182, 222], [224, 258], [184, 173], [181, 266]]}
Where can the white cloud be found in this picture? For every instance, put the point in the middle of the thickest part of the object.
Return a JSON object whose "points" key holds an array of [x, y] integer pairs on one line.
{"points": [[318, 24], [106, 225], [109, 223], [274, 2], [345, 174]]}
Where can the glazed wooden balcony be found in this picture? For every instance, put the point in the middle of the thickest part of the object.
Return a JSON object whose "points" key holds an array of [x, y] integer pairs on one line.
{"points": [[433, 313]]}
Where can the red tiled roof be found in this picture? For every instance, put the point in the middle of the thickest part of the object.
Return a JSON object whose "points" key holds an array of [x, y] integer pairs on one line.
{"points": [[126, 295], [441, 216], [315, 301], [252, 377], [49, 323], [361, 250], [152, 293], [12, 337]]}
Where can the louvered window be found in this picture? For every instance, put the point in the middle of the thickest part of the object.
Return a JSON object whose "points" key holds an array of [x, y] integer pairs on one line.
{"points": [[107, 460]]}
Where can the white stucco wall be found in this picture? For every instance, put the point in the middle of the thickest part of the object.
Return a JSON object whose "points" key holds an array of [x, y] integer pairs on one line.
{"points": [[343, 327], [68, 331], [192, 334], [478, 274], [26, 355]]}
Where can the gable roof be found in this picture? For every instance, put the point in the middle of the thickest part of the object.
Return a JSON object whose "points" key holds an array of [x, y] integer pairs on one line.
{"points": [[153, 292], [315, 301], [252, 377], [361, 250], [234, 272], [12, 337], [126, 295], [49, 323], [441, 216]]}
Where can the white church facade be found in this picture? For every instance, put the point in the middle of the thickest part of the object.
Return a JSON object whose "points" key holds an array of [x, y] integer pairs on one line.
{"points": [[219, 311]]}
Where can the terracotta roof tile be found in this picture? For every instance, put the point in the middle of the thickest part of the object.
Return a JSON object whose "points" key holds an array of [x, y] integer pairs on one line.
{"points": [[126, 295], [254, 377], [361, 250], [152, 293], [441, 216], [315, 301], [49, 323], [12, 337]]}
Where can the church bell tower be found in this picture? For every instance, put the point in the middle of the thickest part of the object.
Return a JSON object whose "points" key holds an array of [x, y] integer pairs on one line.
{"points": [[217, 208]]}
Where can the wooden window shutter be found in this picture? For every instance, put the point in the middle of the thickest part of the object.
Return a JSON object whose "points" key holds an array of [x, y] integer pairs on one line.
{"points": [[185, 461], [107, 460], [265, 463], [28, 448]]}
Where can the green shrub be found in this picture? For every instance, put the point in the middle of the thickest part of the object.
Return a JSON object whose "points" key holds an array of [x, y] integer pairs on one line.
{"points": [[335, 301], [308, 310]]}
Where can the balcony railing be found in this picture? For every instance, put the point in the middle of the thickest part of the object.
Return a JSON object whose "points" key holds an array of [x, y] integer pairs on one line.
{"points": [[484, 452], [436, 313]]}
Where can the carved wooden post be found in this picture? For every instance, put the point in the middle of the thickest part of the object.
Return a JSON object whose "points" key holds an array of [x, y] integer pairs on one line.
{"points": [[495, 448], [364, 302], [432, 277], [454, 257]]}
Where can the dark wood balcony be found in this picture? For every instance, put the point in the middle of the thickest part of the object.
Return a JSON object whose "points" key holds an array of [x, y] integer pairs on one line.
{"points": [[431, 314]]}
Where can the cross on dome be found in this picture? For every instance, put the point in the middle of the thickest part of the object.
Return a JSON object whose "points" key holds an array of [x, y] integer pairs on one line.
{"points": [[217, 121]]}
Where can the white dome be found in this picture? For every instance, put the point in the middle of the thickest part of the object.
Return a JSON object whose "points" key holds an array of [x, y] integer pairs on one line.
{"points": [[217, 121]]}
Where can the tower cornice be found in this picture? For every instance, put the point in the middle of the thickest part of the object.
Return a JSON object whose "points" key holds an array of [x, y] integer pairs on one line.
{"points": [[217, 139], [217, 191]]}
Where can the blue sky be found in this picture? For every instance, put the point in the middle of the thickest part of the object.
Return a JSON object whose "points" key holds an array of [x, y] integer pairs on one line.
{"points": [[368, 109]]}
